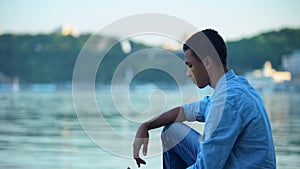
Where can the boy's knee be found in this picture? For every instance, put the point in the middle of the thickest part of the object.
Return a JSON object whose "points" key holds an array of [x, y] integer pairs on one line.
{"points": [[170, 130], [172, 134]]}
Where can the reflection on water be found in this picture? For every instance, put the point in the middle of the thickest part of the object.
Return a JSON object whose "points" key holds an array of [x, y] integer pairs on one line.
{"points": [[284, 114], [41, 130]]}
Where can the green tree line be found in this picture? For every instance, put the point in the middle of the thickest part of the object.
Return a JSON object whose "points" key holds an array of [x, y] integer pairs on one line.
{"points": [[50, 58]]}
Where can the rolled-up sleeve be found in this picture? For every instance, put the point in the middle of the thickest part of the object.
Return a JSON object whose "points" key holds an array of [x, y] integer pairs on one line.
{"points": [[196, 110]]}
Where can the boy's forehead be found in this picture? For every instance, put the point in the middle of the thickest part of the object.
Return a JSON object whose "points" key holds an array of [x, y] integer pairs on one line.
{"points": [[188, 55]]}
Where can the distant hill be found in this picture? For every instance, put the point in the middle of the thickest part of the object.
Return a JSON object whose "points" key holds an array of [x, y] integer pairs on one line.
{"points": [[251, 53], [51, 58], [39, 58]]}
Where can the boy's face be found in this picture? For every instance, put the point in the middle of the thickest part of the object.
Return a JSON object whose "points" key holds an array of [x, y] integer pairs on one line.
{"points": [[196, 70]]}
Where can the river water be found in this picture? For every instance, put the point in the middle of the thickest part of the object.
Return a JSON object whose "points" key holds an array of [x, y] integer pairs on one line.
{"points": [[42, 130]]}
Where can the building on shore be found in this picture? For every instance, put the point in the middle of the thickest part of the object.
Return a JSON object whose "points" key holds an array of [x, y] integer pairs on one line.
{"points": [[66, 29], [277, 76], [268, 78]]}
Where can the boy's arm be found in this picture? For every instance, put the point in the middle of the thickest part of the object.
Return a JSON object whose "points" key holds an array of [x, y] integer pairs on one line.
{"points": [[142, 135]]}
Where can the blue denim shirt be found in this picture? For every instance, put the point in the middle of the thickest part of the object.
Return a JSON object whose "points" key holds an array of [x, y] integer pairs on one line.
{"points": [[237, 132]]}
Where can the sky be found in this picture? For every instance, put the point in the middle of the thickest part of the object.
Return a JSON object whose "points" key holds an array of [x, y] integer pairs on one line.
{"points": [[234, 19]]}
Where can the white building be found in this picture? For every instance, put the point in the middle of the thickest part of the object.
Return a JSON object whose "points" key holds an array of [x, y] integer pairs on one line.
{"points": [[66, 29], [267, 78]]}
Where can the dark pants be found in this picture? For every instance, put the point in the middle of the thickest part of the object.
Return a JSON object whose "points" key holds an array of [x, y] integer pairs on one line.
{"points": [[180, 146]]}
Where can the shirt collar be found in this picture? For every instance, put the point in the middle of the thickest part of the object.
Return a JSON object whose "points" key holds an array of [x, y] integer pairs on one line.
{"points": [[227, 76], [221, 84]]}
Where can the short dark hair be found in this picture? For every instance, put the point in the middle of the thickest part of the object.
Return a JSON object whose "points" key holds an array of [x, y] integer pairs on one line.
{"points": [[218, 43]]}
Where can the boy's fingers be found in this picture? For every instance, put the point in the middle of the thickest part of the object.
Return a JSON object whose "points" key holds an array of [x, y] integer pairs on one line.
{"points": [[139, 161]]}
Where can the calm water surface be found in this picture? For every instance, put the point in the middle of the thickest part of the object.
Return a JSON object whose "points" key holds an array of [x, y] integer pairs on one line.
{"points": [[41, 130]]}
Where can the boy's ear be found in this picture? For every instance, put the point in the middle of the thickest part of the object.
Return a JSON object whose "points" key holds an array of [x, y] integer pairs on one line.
{"points": [[207, 61]]}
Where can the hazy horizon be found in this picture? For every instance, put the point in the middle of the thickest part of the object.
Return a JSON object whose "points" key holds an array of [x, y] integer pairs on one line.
{"points": [[233, 19]]}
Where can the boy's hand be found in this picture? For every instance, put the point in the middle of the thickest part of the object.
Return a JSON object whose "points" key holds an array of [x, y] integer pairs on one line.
{"points": [[141, 138]]}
